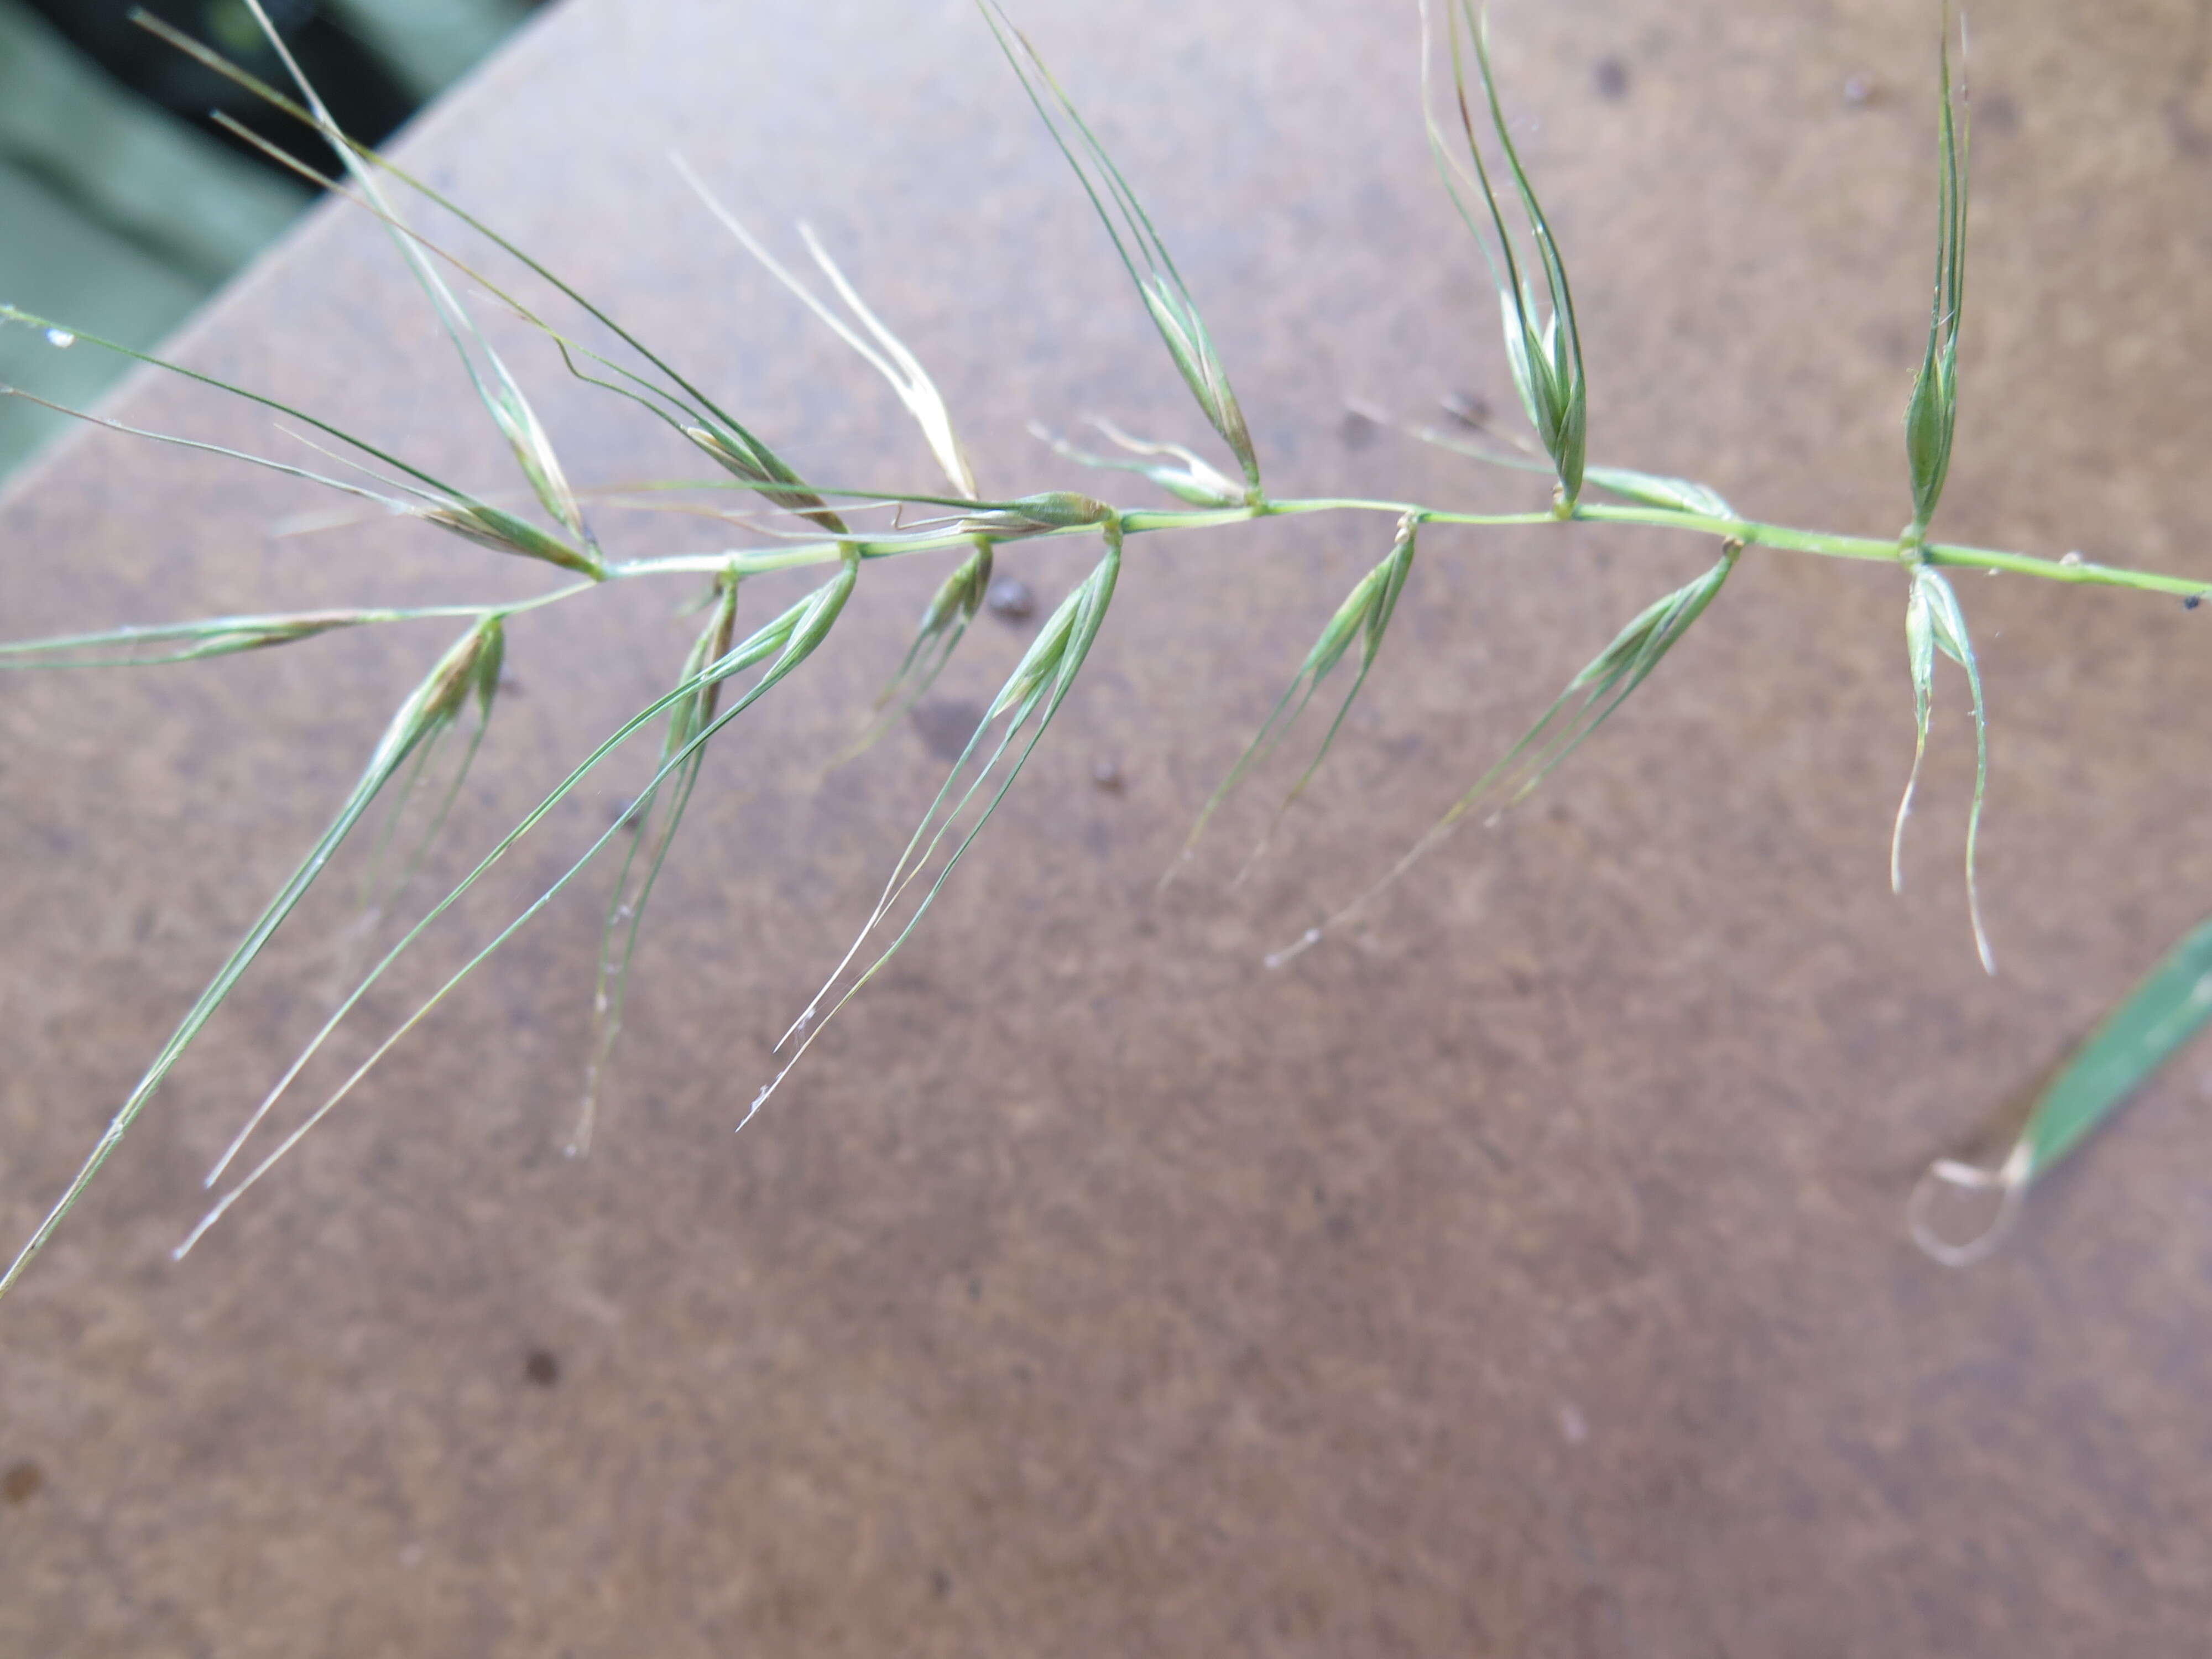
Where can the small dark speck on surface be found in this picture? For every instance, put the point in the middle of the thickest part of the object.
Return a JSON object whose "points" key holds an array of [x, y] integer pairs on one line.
{"points": [[1010, 598], [2192, 602], [542, 1367], [974, 1289], [22, 1482], [944, 726], [1356, 431], [1997, 113], [940, 1583], [1612, 78], [1106, 774]]}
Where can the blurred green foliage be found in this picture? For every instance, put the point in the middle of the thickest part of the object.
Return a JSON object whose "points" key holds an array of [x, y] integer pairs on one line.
{"points": [[122, 206]]}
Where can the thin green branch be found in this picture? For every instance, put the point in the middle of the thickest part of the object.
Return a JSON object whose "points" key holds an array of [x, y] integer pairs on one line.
{"points": [[1141, 521]]}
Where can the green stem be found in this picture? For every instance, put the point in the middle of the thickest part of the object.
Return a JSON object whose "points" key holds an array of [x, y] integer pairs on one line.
{"points": [[1750, 532], [1884, 549]]}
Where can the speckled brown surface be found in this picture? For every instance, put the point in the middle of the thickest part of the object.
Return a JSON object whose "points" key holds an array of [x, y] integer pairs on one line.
{"points": [[1524, 1276]]}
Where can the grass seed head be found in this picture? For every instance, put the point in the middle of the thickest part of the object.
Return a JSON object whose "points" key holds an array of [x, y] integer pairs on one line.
{"points": [[658, 814], [501, 530], [1543, 347], [883, 350], [498, 390], [1191, 346], [1039, 514], [1931, 414], [470, 668], [533, 450], [1590, 698], [687, 717], [1034, 691], [1050, 664], [944, 622], [1143, 254], [1365, 615], [217, 636], [745, 457], [1682, 495], [284, 631], [951, 609]]}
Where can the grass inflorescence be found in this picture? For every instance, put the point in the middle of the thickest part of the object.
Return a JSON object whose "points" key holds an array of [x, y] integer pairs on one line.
{"points": [[811, 522]]}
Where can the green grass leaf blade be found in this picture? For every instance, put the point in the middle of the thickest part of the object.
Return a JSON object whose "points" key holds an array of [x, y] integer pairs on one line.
{"points": [[2163, 1011], [2165, 1008]]}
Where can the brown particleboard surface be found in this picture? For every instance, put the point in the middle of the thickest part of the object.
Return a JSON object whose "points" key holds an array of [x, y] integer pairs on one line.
{"points": [[1524, 1276]]}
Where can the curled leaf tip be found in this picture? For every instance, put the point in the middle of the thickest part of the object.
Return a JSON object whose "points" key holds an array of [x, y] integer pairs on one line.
{"points": [[2008, 1180], [1934, 622]]}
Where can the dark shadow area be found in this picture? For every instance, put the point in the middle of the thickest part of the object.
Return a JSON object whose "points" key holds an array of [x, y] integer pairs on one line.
{"points": [[125, 202]]}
